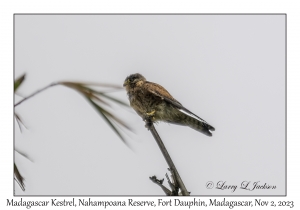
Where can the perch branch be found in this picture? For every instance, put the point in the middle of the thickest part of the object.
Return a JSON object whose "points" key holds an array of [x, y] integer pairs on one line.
{"points": [[176, 176]]}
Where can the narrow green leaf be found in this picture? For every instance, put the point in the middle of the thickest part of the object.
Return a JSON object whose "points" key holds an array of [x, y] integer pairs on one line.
{"points": [[89, 93], [19, 178], [100, 100], [85, 91], [19, 121], [82, 86], [93, 84], [23, 154], [18, 82], [106, 96], [115, 100], [71, 85], [115, 118], [100, 111]]}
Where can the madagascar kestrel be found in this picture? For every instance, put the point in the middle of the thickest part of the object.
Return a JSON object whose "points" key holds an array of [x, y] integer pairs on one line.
{"points": [[152, 101]]}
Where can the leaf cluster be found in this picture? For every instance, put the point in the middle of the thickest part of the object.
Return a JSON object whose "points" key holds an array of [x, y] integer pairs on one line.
{"points": [[98, 100]]}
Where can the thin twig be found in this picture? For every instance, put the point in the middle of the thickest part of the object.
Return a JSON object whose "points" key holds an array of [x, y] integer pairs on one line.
{"points": [[150, 126], [159, 183], [33, 94]]}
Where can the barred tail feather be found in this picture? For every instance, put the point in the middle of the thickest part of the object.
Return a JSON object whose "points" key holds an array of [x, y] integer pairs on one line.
{"points": [[197, 123], [200, 126]]}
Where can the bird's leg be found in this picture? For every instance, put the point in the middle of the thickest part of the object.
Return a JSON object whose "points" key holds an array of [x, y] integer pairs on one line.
{"points": [[149, 118]]}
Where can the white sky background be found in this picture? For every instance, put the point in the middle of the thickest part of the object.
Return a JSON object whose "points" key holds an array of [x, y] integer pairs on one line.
{"points": [[229, 70]]}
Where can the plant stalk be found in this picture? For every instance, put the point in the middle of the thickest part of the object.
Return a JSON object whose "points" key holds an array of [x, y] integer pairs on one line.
{"points": [[33, 94], [167, 157]]}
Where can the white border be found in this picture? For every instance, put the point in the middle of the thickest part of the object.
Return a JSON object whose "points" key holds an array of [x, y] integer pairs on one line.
{"points": [[8, 8]]}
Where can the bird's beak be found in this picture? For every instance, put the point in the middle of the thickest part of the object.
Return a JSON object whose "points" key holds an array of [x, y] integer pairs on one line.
{"points": [[126, 82]]}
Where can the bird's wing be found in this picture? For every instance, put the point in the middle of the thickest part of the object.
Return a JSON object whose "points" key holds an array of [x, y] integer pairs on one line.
{"points": [[161, 92]]}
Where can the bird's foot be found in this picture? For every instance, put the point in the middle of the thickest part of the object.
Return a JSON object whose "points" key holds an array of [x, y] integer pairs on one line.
{"points": [[151, 114]]}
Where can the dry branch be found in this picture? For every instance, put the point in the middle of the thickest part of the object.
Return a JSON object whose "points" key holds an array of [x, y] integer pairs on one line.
{"points": [[176, 177]]}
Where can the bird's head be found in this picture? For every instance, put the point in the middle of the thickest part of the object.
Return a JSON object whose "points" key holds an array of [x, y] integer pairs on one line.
{"points": [[134, 80]]}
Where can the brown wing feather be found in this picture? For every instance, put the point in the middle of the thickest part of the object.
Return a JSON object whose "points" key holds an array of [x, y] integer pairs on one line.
{"points": [[160, 91]]}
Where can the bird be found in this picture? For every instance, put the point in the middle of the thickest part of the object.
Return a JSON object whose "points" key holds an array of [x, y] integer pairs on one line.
{"points": [[154, 102]]}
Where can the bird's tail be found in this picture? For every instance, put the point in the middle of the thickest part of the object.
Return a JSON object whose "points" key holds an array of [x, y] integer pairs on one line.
{"points": [[181, 116], [187, 118], [200, 126]]}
